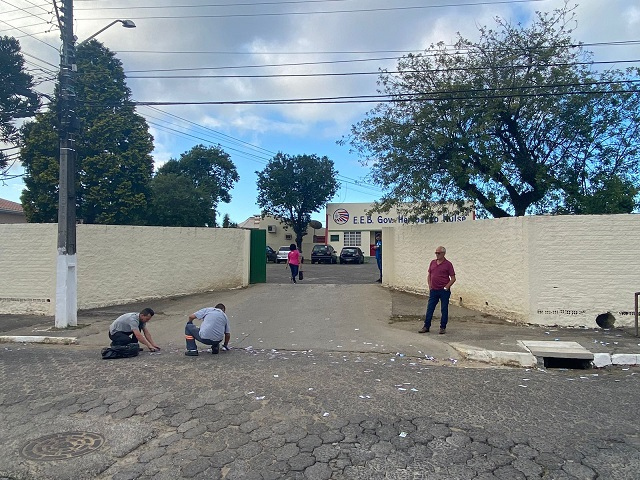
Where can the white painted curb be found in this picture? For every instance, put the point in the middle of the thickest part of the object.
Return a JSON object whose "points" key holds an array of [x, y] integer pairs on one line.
{"points": [[522, 359], [601, 360], [37, 339]]}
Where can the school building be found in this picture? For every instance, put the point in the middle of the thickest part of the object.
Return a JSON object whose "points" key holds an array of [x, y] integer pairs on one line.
{"points": [[349, 225]]}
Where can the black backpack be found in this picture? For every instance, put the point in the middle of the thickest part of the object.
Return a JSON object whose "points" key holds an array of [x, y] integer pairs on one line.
{"points": [[120, 351]]}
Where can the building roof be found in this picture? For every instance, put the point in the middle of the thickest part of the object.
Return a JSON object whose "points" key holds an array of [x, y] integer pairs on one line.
{"points": [[251, 222], [8, 206]]}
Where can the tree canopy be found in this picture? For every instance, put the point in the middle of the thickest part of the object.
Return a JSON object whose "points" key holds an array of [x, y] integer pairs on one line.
{"points": [[113, 145], [290, 188], [516, 122], [17, 97], [202, 178]]}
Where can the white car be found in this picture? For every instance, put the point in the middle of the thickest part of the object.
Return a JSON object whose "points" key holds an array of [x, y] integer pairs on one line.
{"points": [[283, 254]]}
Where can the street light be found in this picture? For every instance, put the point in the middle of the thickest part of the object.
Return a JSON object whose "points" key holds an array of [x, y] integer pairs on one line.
{"points": [[125, 24], [66, 313]]}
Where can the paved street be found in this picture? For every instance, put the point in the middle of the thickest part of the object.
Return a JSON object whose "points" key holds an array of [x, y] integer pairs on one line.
{"points": [[282, 414], [356, 397]]}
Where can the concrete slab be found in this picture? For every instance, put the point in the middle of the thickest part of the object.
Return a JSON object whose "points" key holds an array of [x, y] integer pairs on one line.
{"points": [[557, 349]]}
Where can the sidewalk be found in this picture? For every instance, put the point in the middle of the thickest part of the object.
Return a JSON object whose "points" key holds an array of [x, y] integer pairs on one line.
{"points": [[360, 318]]}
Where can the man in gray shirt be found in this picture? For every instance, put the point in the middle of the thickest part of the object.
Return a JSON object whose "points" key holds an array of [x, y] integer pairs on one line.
{"points": [[132, 328], [214, 328]]}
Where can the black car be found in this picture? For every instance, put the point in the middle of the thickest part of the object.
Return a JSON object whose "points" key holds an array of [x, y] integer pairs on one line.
{"points": [[323, 253], [272, 255], [351, 255]]}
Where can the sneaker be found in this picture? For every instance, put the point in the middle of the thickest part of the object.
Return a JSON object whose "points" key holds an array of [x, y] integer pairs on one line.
{"points": [[442, 331], [423, 330], [191, 353], [215, 350]]}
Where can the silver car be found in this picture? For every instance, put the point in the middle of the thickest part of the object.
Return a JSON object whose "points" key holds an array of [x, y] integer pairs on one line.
{"points": [[283, 254]]}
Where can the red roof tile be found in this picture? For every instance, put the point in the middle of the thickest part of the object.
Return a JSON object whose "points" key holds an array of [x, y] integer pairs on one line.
{"points": [[8, 206]]}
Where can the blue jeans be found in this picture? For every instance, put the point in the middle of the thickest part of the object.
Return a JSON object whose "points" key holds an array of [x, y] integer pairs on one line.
{"points": [[379, 261], [436, 296], [294, 271]]}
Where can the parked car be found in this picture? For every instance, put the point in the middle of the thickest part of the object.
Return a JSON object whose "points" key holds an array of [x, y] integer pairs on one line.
{"points": [[272, 255], [283, 254], [351, 255], [324, 253]]}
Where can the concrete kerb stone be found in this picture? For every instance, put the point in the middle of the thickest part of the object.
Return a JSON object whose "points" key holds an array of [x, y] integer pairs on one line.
{"points": [[38, 339], [520, 359]]}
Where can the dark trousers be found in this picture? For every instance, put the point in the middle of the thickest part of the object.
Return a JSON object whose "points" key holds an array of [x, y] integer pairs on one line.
{"points": [[379, 261], [294, 271], [436, 296], [122, 338], [192, 333]]}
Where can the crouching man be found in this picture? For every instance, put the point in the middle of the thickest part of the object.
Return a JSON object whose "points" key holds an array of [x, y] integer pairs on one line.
{"points": [[213, 330], [132, 328]]}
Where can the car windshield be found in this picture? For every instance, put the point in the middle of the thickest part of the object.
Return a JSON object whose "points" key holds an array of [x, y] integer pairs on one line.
{"points": [[320, 249], [349, 250], [285, 249]]}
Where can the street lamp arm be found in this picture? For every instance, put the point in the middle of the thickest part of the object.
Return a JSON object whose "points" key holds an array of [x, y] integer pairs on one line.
{"points": [[125, 23]]}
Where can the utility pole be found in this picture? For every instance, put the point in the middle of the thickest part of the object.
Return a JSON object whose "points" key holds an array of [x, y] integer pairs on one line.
{"points": [[67, 275]]}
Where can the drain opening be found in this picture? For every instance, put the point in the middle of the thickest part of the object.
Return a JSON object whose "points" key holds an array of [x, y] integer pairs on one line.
{"points": [[570, 363]]}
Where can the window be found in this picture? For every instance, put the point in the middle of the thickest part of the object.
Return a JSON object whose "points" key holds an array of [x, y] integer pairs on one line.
{"points": [[335, 238], [288, 236], [352, 239]]}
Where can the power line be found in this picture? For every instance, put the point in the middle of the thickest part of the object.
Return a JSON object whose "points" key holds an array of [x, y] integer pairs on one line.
{"points": [[404, 97], [261, 160], [323, 12], [343, 74], [357, 52], [30, 35]]}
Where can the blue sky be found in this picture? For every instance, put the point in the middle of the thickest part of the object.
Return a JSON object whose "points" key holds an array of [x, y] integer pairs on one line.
{"points": [[227, 38]]}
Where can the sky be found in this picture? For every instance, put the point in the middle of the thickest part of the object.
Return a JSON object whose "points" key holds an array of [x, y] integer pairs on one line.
{"points": [[248, 50]]}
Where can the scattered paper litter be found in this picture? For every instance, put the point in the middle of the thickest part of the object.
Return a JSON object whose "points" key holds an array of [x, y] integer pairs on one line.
{"points": [[325, 414], [523, 386], [403, 434], [275, 376], [260, 398]]}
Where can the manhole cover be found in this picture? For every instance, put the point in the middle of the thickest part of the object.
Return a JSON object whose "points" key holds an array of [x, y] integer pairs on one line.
{"points": [[61, 446]]}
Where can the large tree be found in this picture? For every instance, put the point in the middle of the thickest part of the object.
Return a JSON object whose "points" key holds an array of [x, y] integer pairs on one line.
{"points": [[203, 177], [113, 145], [17, 97], [291, 188], [516, 122]]}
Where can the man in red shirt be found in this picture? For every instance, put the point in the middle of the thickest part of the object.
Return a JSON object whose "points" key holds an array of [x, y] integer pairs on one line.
{"points": [[440, 277]]}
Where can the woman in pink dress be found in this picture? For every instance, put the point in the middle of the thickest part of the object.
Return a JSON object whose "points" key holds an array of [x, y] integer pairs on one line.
{"points": [[293, 261]]}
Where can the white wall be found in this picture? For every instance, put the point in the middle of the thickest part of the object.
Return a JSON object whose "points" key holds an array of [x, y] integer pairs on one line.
{"points": [[119, 264], [562, 270]]}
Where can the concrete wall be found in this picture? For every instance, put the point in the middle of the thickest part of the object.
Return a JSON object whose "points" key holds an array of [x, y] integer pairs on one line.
{"points": [[562, 270], [119, 264]]}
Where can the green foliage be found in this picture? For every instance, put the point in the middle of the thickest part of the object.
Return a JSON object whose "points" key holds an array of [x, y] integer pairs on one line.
{"points": [[227, 223], [290, 188], [177, 203], [515, 122], [204, 177], [113, 145], [17, 98]]}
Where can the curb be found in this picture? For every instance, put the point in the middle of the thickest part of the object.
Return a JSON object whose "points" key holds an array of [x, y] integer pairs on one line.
{"points": [[38, 339], [601, 360], [518, 359]]}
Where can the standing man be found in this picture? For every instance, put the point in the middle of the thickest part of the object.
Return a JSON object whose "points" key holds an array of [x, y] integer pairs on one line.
{"points": [[132, 328], [378, 247], [440, 277], [214, 327]]}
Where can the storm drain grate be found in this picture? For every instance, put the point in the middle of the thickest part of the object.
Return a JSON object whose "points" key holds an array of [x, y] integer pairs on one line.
{"points": [[61, 446]]}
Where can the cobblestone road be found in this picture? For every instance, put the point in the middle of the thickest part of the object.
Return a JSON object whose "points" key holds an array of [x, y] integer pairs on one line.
{"points": [[249, 414]]}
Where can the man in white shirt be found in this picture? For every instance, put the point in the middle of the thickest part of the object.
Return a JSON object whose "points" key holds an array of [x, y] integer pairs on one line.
{"points": [[213, 330]]}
